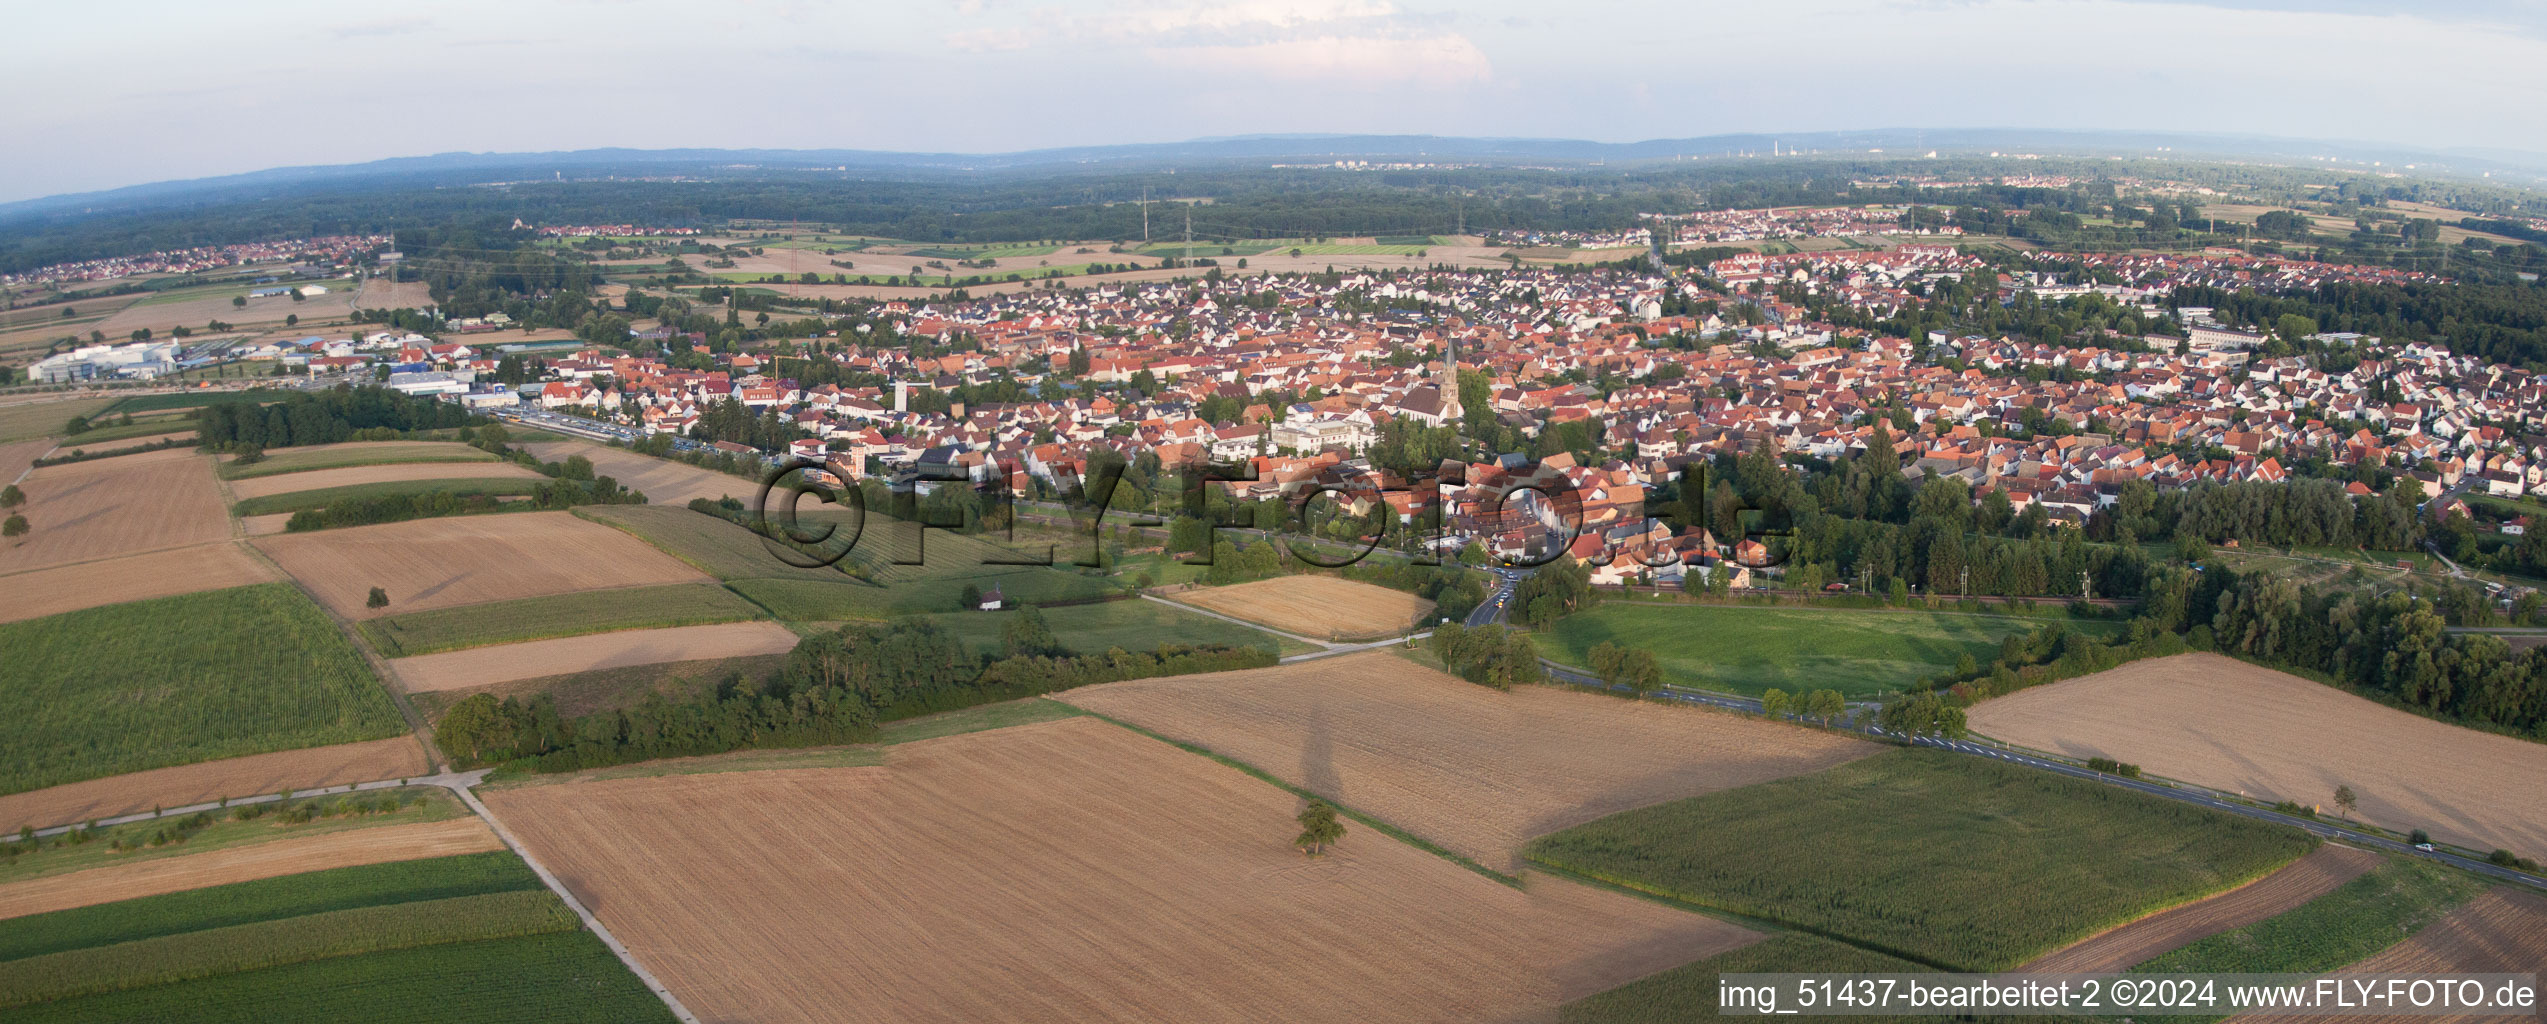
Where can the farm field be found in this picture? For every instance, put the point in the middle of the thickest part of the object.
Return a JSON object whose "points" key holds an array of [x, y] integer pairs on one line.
{"points": [[1745, 649], [2273, 736], [207, 781], [1689, 992], [19, 456], [1131, 625], [1319, 607], [507, 662], [142, 430], [43, 417], [1475, 770], [2503, 931], [2305, 879], [354, 453], [227, 673], [580, 693], [91, 510], [1164, 887], [256, 513], [1967, 864], [192, 399], [377, 844], [435, 474], [430, 940], [40, 592], [406, 634], [2359, 919], [188, 836], [662, 481], [426, 564]]}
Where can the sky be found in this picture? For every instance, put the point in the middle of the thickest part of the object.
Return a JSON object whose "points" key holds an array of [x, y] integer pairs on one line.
{"points": [[169, 90]]}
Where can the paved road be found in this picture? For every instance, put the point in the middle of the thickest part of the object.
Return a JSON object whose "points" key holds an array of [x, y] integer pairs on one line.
{"points": [[1863, 721]]}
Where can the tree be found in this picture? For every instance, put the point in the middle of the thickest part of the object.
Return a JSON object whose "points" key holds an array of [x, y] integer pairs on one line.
{"points": [[12, 497], [1773, 703], [1825, 705], [238, 301], [1027, 635], [970, 599], [2345, 799], [16, 526], [1318, 828], [379, 599]]}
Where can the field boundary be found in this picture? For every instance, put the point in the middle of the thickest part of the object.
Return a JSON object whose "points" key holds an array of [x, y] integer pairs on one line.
{"points": [[1375, 824]]}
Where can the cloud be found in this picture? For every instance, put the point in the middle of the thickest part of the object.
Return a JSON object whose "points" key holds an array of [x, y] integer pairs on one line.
{"points": [[1441, 60]]}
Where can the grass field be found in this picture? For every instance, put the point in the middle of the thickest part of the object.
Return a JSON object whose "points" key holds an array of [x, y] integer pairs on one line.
{"points": [[2358, 919], [97, 437], [978, 718], [44, 418], [138, 404], [359, 453], [1959, 862], [176, 680], [403, 634], [447, 939], [295, 501], [1131, 625], [1749, 649], [1688, 993], [2281, 892]]}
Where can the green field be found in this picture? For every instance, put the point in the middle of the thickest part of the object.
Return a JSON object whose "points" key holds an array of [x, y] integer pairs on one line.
{"points": [[581, 693], [447, 939], [1133, 625], [58, 855], [190, 400], [295, 501], [176, 680], [950, 562], [1688, 992], [338, 458], [1955, 861], [2359, 918], [144, 426], [1747, 649], [28, 421], [544, 618]]}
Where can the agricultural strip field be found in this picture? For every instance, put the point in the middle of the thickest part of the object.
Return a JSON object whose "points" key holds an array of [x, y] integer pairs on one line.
{"points": [[191, 399], [354, 453], [1319, 607], [581, 693], [2503, 931], [2358, 920], [1475, 770], [1130, 625], [445, 563], [375, 844], [1967, 864], [26, 421], [1689, 992], [1750, 649], [1162, 885], [436, 475], [506, 662], [288, 502], [2303, 880], [198, 677], [17, 457], [662, 481], [92, 510], [207, 781], [401, 634], [411, 942], [64, 588], [2269, 735]]}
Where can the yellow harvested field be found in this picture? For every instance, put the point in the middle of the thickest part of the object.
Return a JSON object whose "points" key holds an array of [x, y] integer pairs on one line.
{"points": [[17, 458], [1318, 607], [91, 510], [1085, 873], [382, 293], [1476, 770], [2503, 931], [443, 563], [2288, 889], [41, 592], [2223, 723], [662, 481], [479, 666], [397, 757], [320, 479], [379, 844]]}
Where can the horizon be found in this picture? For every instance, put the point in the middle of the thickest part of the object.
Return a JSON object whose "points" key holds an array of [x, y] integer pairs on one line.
{"points": [[1260, 68]]}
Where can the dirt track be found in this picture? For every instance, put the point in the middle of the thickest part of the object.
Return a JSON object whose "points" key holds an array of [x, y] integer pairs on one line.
{"points": [[202, 782], [2232, 726], [443, 563], [459, 670], [1065, 871], [1476, 770], [2295, 884], [1319, 607], [379, 844]]}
